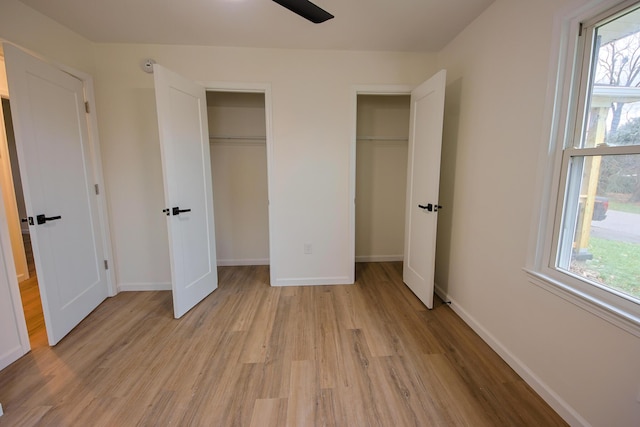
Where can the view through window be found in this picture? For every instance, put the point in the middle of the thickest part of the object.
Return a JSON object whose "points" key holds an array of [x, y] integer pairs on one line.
{"points": [[600, 234]]}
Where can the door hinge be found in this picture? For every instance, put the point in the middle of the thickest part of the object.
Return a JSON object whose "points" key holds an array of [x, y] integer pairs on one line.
{"points": [[86, 107], [97, 189], [106, 264], [580, 30]]}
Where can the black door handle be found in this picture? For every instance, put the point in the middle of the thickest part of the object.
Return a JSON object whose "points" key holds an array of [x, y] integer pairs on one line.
{"points": [[41, 219], [178, 211], [430, 207]]}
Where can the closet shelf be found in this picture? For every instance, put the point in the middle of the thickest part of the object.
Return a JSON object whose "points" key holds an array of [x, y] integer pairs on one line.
{"points": [[244, 138], [382, 138]]}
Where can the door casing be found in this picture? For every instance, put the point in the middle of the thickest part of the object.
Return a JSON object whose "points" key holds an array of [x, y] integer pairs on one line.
{"points": [[355, 91], [367, 90], [265, 88]]}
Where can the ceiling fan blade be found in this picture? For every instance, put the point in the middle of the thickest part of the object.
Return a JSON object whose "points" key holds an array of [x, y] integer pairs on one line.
{"points": [[306, 9]]}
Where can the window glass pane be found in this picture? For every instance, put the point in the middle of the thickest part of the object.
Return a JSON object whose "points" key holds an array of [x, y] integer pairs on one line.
{"points": [[613, 107], [600, 240]]}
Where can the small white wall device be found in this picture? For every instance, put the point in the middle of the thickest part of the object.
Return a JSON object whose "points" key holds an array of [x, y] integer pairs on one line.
{"points": [[147, 65]]}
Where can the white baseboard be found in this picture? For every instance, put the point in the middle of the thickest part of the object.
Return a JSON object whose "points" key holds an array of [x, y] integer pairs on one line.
{"points": [[313, 281], [232, 262], [565, 410], [11, 356], [379, 258], [135, 287]]}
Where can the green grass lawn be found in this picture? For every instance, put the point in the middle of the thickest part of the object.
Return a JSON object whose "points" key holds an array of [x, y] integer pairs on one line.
{"points": [[615, 264], [624, 207]]}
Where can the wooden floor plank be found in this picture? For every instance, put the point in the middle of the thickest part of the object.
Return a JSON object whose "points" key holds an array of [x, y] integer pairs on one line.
{"points": [[368, 354], [275, 370], [269, 413], [328, 349], [356, 390], [462, 403], [31, 303], [303, 394], [404, 397], [303, 322], [260, 330]]}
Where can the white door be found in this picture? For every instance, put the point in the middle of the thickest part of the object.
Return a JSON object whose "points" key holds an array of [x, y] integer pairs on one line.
{"points": [[59, 187], [186, 165], [423, 180], [14, 338]]}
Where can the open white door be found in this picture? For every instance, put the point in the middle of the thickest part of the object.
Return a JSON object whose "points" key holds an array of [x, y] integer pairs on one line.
{"points": [[186, 165], [14, 338], [423, 180], [58, 181]]}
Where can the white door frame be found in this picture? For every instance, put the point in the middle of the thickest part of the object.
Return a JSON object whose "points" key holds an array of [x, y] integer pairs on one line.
{"points": [[264, 88], [6, 258], [6, 252], [14, 223], [94, 141], [355, 91]]}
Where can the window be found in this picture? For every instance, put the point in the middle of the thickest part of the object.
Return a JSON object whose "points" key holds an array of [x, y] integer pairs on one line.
{"points": [[592, 246]]}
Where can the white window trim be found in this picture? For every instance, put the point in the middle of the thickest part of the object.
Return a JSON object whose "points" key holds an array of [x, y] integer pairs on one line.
{"points": [[561, 92]]}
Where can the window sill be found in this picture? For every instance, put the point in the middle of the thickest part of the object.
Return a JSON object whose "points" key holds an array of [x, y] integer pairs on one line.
{"points": [[620, 318]]}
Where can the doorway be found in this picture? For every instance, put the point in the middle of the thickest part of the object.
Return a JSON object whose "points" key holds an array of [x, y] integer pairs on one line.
{"points": [[382, 135], [59, 166], [19, 232], [238, 149]]}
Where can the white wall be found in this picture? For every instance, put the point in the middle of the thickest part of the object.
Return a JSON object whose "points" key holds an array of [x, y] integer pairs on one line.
{"points": [[381, 176], [497, 82], [239, 173], [312, 105], [31, 30]]}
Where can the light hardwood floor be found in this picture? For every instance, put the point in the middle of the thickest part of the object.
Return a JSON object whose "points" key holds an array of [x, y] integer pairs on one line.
{"points": [[369, 354], [30, 296]]}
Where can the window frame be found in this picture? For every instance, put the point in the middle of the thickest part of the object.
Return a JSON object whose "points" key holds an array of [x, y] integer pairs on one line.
{"points": [[567, 99]]}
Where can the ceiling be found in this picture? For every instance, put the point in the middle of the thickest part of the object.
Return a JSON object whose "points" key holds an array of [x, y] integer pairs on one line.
{"points": [[387, 25]]}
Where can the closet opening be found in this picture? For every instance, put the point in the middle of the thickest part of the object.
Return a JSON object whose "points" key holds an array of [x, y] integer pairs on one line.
{"points": [[21, 249], [237, 137], [382, 135]]}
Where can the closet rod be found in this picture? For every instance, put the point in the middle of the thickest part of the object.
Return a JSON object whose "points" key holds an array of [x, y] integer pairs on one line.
{"points": [[249, 138], [382, 138]]}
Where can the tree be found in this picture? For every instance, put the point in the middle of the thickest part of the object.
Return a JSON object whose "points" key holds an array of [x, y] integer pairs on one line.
{"points": [[621, 174], [619, 65]]}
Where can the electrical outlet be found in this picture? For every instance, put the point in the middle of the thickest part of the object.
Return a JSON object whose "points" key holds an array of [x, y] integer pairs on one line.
{"points": [[308, 248]]}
